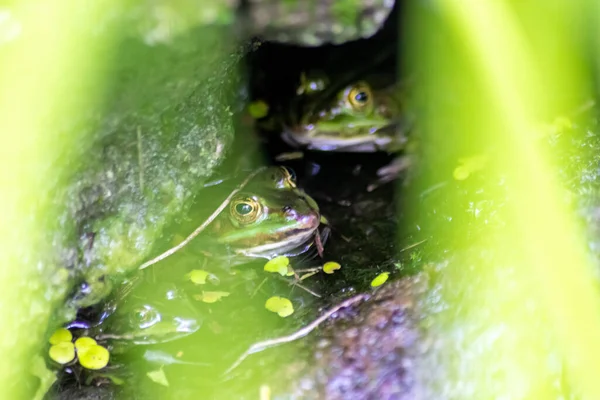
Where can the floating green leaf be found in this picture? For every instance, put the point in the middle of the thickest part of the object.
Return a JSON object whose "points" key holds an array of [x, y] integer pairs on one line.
{"points": [[380, 279], [330, 267], [159, 377], [468, 166], [280, 305], [279, 265], [83, 343], [211, 297], [62, 352], [60, 335], [258, 109], [94, 357], [198, 276]]}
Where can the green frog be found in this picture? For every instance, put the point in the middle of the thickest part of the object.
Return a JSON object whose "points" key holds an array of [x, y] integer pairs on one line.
{"points": [[343, 106], [269, 217], [362, 115]]}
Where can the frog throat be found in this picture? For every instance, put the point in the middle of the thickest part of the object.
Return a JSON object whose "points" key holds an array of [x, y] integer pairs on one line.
{"points": [[301, 240], [358, 144]]}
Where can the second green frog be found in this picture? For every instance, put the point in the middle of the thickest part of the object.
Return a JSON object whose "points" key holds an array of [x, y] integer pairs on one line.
{"points": [[364, 114], [362, 111]]}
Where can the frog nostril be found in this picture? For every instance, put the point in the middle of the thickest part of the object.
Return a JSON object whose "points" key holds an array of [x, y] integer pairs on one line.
{"points": [[286, 209]]}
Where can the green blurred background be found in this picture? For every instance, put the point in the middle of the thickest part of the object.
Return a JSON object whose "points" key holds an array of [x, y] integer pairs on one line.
{"points": [[75, 76]]}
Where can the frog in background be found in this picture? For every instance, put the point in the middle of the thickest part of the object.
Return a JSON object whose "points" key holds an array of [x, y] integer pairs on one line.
{"points": [[358, 112]]}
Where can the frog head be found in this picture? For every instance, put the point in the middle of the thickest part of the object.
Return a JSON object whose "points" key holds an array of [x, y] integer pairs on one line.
{"points": [[271, 216], [356, 117]]}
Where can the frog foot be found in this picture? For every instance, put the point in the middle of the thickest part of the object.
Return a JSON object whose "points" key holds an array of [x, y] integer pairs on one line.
{"points": [[390, 172]]}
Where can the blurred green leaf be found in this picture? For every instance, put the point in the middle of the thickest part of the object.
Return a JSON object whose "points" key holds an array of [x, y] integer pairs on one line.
{"points": [[159, 377]]}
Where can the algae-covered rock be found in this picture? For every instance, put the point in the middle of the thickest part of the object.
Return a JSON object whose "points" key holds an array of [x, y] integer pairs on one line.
{"points": [[166, 125], [300, 22], [315, 22], [163, 21], [106, 157]]}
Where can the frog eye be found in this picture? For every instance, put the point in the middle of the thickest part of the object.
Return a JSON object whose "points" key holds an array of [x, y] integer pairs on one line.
{"points": [[243, 209], [145, 316], [360, 96], [246, 210]]}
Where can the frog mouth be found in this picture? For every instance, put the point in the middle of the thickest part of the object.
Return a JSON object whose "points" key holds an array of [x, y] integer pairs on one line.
{"points": [[310, 139], [305, 248], [297, 242]]}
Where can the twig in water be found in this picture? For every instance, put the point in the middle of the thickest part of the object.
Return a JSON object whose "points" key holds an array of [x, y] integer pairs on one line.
{"points": [[317, 269], [295, 282], [346, 239], [308, 275], [318, 243], [258, 288], [260, 346], [410, 246], [433, 188], [295, 155], [204, 224]]}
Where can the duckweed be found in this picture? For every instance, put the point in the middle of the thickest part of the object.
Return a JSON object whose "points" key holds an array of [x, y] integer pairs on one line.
{"points": [[330, 267], [211, 297], [258, 109], [198, 276], [61, 335], [62, 352], [280, 305], [469, 165], [94, 357], [83, 343], [279, 265], [380, 279]]}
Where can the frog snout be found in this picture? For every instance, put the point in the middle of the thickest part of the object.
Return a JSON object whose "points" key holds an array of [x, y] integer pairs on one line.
{"points": [[304, 217], [312, 220]]}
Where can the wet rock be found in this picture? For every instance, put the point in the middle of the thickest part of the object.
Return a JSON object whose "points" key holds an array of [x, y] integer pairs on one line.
{"points": [[313, 23], [167, 125], [363, 352]]}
